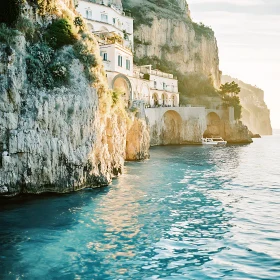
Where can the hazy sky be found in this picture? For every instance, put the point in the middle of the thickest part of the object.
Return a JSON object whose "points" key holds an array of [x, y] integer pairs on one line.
{"points": [[248, 34]]}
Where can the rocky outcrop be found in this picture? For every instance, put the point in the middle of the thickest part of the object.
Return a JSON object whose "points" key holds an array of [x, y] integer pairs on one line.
{"points": [[236, 133], [65, 138], [255, 114], [167, 32], [138, 141]]}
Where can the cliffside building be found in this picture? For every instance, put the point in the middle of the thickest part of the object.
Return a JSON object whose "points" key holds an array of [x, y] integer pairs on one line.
{"points": [[114, 32]]}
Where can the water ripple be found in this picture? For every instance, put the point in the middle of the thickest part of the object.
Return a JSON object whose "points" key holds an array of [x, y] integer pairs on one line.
{"points": [[188, 213]]}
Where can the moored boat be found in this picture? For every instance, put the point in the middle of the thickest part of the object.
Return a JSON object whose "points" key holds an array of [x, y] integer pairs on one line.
{"points": [[215, 141]]}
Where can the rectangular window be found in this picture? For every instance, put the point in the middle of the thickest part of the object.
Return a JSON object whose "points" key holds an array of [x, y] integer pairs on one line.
{"points": [[104, 17], [155, 84], [120, 60], [164, 85], [89, 14], [105, 56], [114, 21], [127, 64]]}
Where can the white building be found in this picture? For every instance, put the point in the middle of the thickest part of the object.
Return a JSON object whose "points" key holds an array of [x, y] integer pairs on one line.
{"points": [[107, 18], [114, 32], [163, 87]]}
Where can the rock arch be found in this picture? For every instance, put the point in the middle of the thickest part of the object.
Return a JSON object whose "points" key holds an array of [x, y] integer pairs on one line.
{"points": [[122, 83], [172, 127], [214, 125]]}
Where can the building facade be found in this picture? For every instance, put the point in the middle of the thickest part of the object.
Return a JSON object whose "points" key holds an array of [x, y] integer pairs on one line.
{"points": [[114, 32]]}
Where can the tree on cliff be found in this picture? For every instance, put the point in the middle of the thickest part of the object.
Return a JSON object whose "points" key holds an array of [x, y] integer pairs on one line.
{"points": [[229, 92], [230, 88]]}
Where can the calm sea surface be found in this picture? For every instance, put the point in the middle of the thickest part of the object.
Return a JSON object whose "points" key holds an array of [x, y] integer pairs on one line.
{"points": [[188, 213]]}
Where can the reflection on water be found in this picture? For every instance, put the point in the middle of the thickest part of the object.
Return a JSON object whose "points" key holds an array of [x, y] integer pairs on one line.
{"points": [[188, 213]]}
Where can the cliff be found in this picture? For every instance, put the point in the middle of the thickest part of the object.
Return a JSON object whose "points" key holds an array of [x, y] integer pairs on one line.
{"points": [[255, 114], [61, 128], [165, 31]]}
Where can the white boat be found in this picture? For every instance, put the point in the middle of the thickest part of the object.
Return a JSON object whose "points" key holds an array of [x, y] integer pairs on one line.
{"points": [[215, 141]]}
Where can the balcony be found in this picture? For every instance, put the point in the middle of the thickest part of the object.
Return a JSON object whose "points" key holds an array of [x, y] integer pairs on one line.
{"points": [[147, 69], [110, 38]]}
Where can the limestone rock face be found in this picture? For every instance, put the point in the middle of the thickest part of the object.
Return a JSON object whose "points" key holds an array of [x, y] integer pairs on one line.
{"points": [[237, 133], [138, 141], [170, 35], [255, 114], [61, 139]]}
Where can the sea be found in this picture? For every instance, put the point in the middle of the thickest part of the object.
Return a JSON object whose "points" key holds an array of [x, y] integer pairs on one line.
{"points": [[190, 212]]}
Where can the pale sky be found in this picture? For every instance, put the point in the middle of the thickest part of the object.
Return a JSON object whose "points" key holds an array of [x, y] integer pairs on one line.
{"points": [[248, 34]]}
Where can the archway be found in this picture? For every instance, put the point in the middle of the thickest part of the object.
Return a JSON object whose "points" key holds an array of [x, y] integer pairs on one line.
{"points": [[155, 99], [213, 125], [172, 125], [122, 83], [164, 99]]}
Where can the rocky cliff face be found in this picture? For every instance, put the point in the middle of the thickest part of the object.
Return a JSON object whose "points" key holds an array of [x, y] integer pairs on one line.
{"points": [[165, 30], [255, 114], [65, 138]]}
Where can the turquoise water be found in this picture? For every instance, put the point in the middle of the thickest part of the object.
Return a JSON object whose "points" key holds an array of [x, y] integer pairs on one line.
{"points": [[188, 213]]}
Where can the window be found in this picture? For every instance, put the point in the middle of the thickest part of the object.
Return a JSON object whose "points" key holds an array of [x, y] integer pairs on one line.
{"points": [[120, 60], [114, 21], [104, 17], [164, 85], [89, 14], [127, 64], [105, 56], [155, 84]]}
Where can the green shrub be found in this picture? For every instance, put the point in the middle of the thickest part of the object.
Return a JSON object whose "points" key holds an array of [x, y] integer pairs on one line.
{"points": [[26, 26], [202, 30], [7, 34], [59, 72], [38, 61], [116, 96], [78, 22], [84, 52], [146, 76], [60, 33]]}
